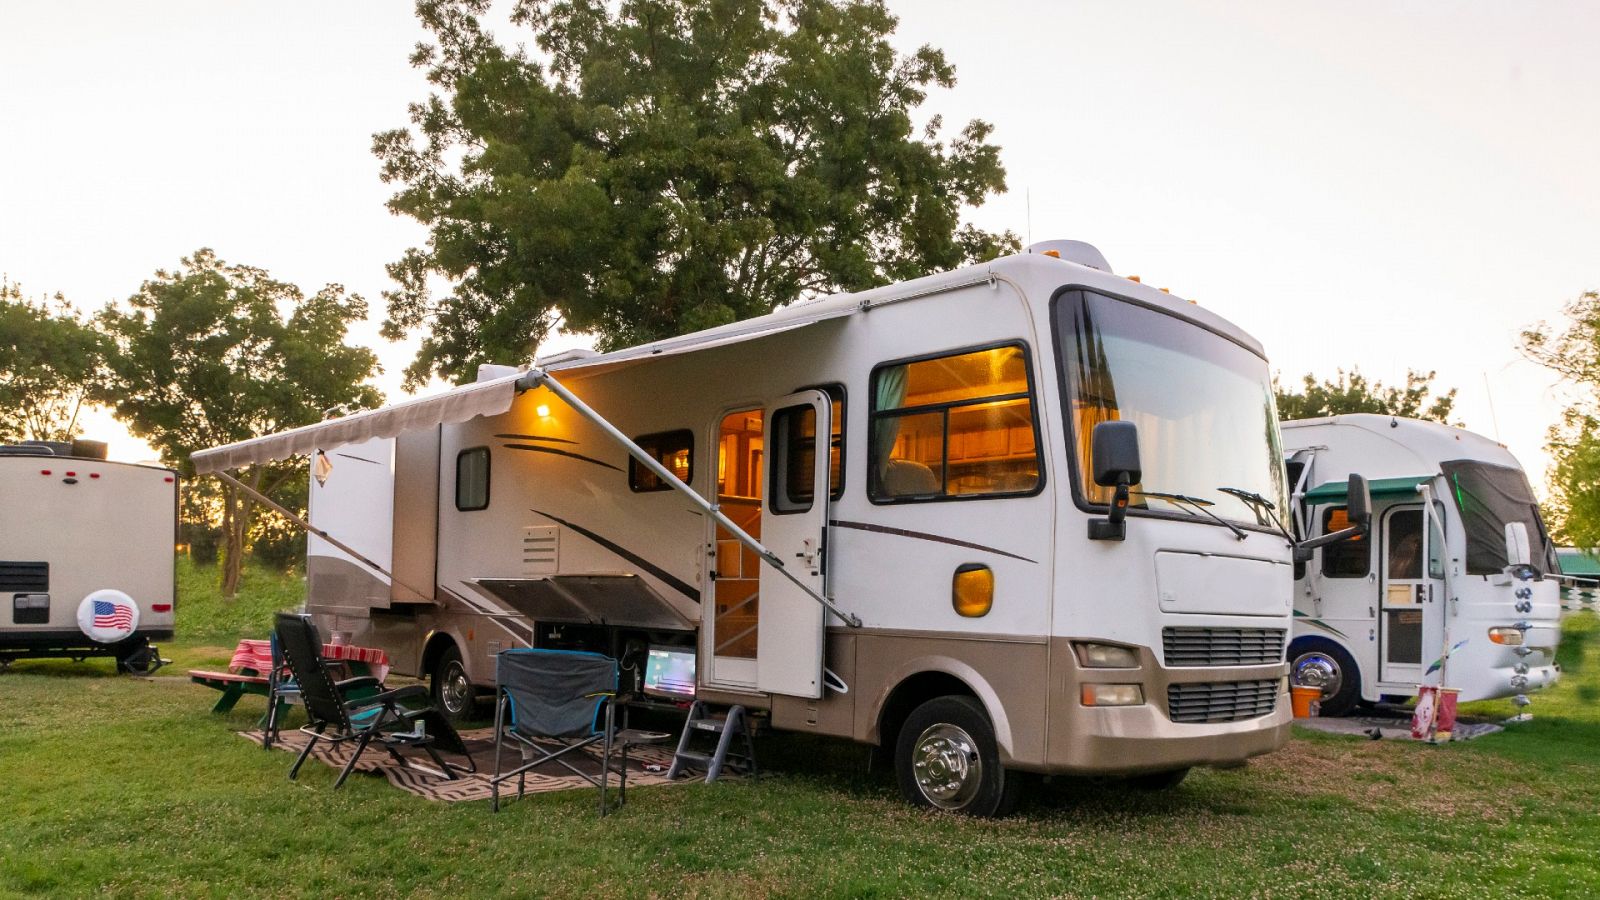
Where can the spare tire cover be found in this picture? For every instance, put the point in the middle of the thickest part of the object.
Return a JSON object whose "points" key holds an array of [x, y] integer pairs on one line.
{"points": [[108, 616]]}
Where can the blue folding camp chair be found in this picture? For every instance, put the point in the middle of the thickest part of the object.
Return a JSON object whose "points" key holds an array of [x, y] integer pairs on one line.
{"points": [[566, 698]]}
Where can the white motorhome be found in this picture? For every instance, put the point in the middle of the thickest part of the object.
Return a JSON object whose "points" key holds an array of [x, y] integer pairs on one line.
{"points": [[957, 577], [1451, 585], [86, 554]]}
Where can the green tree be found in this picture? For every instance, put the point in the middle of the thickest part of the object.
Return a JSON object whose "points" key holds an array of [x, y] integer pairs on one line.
{"points": [[1573, 352], [1351, 392], [215, 353], [662, 166], [51, 362]]}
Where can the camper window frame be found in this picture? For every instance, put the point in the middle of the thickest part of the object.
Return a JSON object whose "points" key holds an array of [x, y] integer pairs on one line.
{"points": [[1072, 292], [874, 414], [835, 391], [488, 467], [634, 468]]}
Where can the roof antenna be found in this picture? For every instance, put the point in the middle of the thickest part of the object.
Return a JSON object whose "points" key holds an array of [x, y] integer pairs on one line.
{"points": [[1027, 196], [1492, 415]]}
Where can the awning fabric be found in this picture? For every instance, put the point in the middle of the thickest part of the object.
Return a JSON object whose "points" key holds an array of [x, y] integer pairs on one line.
{"points": [[493, 397], [486, 398], [1336, 490]]}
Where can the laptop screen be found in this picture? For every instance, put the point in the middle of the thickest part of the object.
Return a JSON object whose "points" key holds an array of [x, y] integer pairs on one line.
{"points": [[669, 672]]}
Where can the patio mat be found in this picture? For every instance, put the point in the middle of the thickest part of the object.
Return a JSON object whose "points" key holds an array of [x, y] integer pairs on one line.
{"points": [[480, 741], [1392, 726]]}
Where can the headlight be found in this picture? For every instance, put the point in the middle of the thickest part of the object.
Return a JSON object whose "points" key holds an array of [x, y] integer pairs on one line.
{"points": [[1111, 694], [1107, 656]]}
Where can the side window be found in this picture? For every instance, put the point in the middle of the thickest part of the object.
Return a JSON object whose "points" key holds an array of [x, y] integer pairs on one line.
{"points": [[472, 479], [794, 431], [673, 449], [956, 426], [1346, 559]]}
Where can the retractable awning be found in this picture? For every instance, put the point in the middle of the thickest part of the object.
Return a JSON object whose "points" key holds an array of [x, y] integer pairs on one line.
{"points": [[1393, 487], [493, 397]]}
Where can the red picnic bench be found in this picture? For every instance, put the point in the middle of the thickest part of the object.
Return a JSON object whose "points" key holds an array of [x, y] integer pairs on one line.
{"points": [[248, 673]]}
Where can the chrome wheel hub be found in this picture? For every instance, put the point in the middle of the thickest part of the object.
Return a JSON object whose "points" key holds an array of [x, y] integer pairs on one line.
{"points": [[947, 766], [457, 689], [1316, 670]]}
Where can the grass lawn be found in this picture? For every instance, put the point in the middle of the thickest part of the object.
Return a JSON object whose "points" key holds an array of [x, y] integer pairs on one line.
{"points": [[132, 787]]}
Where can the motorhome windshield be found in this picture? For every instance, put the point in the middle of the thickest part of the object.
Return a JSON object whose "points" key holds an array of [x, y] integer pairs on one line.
{"points": [[1208, 433], [1491, 497]]}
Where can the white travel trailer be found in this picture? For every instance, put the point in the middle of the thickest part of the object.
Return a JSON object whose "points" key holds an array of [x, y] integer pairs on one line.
{"points": [[1453, 582], [971, 575], [86, 554]]}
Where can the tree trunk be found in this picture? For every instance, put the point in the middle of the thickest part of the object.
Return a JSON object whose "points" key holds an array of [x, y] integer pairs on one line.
{"points": [[236, 525]]}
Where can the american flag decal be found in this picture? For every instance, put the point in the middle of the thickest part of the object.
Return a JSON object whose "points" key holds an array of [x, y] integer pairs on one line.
{"points": [[113, 615]]}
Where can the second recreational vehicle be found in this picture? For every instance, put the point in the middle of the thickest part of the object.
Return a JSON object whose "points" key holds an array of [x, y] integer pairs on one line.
{"points": [[1006, 519], [87, 551], [1451, 587]]}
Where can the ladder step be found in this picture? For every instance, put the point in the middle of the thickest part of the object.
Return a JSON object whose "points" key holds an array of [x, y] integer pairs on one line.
{"points": [[694, 756], [714, 725]]}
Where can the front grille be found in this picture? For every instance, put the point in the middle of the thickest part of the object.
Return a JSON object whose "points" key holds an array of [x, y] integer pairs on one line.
{"points": [[1222, 646], [1222, 701], [24, 577]]}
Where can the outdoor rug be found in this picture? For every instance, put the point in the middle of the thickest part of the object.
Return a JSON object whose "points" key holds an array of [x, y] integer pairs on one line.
{"points": [[647, 766], [1392, 725]]}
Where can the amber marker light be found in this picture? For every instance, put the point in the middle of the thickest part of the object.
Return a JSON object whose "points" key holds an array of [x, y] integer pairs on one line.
{"points": [[1111, 695], [972, 590]]}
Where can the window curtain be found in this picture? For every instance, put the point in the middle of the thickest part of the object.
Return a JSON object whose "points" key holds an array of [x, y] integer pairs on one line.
{"points": [[890, 393]]}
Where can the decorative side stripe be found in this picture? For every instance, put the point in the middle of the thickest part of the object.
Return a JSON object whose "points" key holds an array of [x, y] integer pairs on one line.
{"points": [[535, 437], [1320, 624], [924, 536], [567, 453], [667, 578], [358, 458]]}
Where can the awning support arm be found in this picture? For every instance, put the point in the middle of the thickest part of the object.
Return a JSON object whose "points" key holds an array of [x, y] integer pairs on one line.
{"points": [[537, 377], [268, 502]]}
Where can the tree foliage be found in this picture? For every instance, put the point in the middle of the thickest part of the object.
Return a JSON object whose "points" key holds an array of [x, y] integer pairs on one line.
{"points": [[1352, 392], [660, 166], [50, 363], [214, 353], [1573, 352]]}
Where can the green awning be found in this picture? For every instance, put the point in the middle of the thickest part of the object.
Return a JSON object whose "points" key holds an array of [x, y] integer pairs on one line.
{"points": [[1380, 487], [1577, 562]]}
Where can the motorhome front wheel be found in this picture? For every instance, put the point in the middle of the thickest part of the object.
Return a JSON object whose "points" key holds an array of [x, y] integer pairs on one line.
{"points": [[945, 757], [452, 689], [1319, 663]]}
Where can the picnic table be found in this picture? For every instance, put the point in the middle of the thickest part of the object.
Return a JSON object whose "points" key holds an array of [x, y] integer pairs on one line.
{"points": [[250, 669]]}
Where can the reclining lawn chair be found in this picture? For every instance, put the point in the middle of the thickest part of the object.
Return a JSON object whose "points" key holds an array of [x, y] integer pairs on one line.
{"points": [[566, 697], [377, 718]]}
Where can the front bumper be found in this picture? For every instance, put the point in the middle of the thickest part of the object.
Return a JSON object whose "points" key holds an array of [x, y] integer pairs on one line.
{"points": [[1133, 739]]}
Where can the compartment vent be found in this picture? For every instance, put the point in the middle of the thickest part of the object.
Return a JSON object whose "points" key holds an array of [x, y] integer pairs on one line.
{"points": [[541, 549], [24, 577]]}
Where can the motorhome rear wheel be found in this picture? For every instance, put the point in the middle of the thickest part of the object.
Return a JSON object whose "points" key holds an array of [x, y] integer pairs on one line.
{"points": [[452, 688], [946, 758]]}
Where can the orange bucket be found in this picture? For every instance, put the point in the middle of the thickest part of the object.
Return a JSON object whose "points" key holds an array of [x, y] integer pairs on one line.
{"points": [[1307, 701]]}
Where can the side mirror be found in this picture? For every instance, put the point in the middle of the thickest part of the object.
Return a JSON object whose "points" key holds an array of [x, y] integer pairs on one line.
{"points": [[1518, 550], [1358, 499], [1114, 456], [1115, 453]]}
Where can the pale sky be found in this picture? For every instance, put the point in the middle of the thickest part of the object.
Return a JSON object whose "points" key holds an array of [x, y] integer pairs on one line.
{"points": [[1375, 184]]}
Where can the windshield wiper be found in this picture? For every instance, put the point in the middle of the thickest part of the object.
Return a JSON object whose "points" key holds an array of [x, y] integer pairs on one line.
{"points": [[1199, 504], [1259, 504]]}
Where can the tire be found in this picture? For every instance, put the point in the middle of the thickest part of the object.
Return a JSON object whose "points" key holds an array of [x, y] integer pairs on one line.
{"points": [[946, 758], [1159, 781], [1322, 663], [453, 693]]}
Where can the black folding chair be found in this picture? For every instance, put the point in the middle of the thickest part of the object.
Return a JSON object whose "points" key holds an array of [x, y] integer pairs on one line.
{"points": [[566, 697], [334, 717]]}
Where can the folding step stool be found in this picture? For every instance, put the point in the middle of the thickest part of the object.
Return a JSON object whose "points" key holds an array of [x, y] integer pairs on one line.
{"points": [[725, 726]]}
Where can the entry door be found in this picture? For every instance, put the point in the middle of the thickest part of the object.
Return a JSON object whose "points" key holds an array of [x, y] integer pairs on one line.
{"points": [[794, 522], [1410, 603], [733, 590]]}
